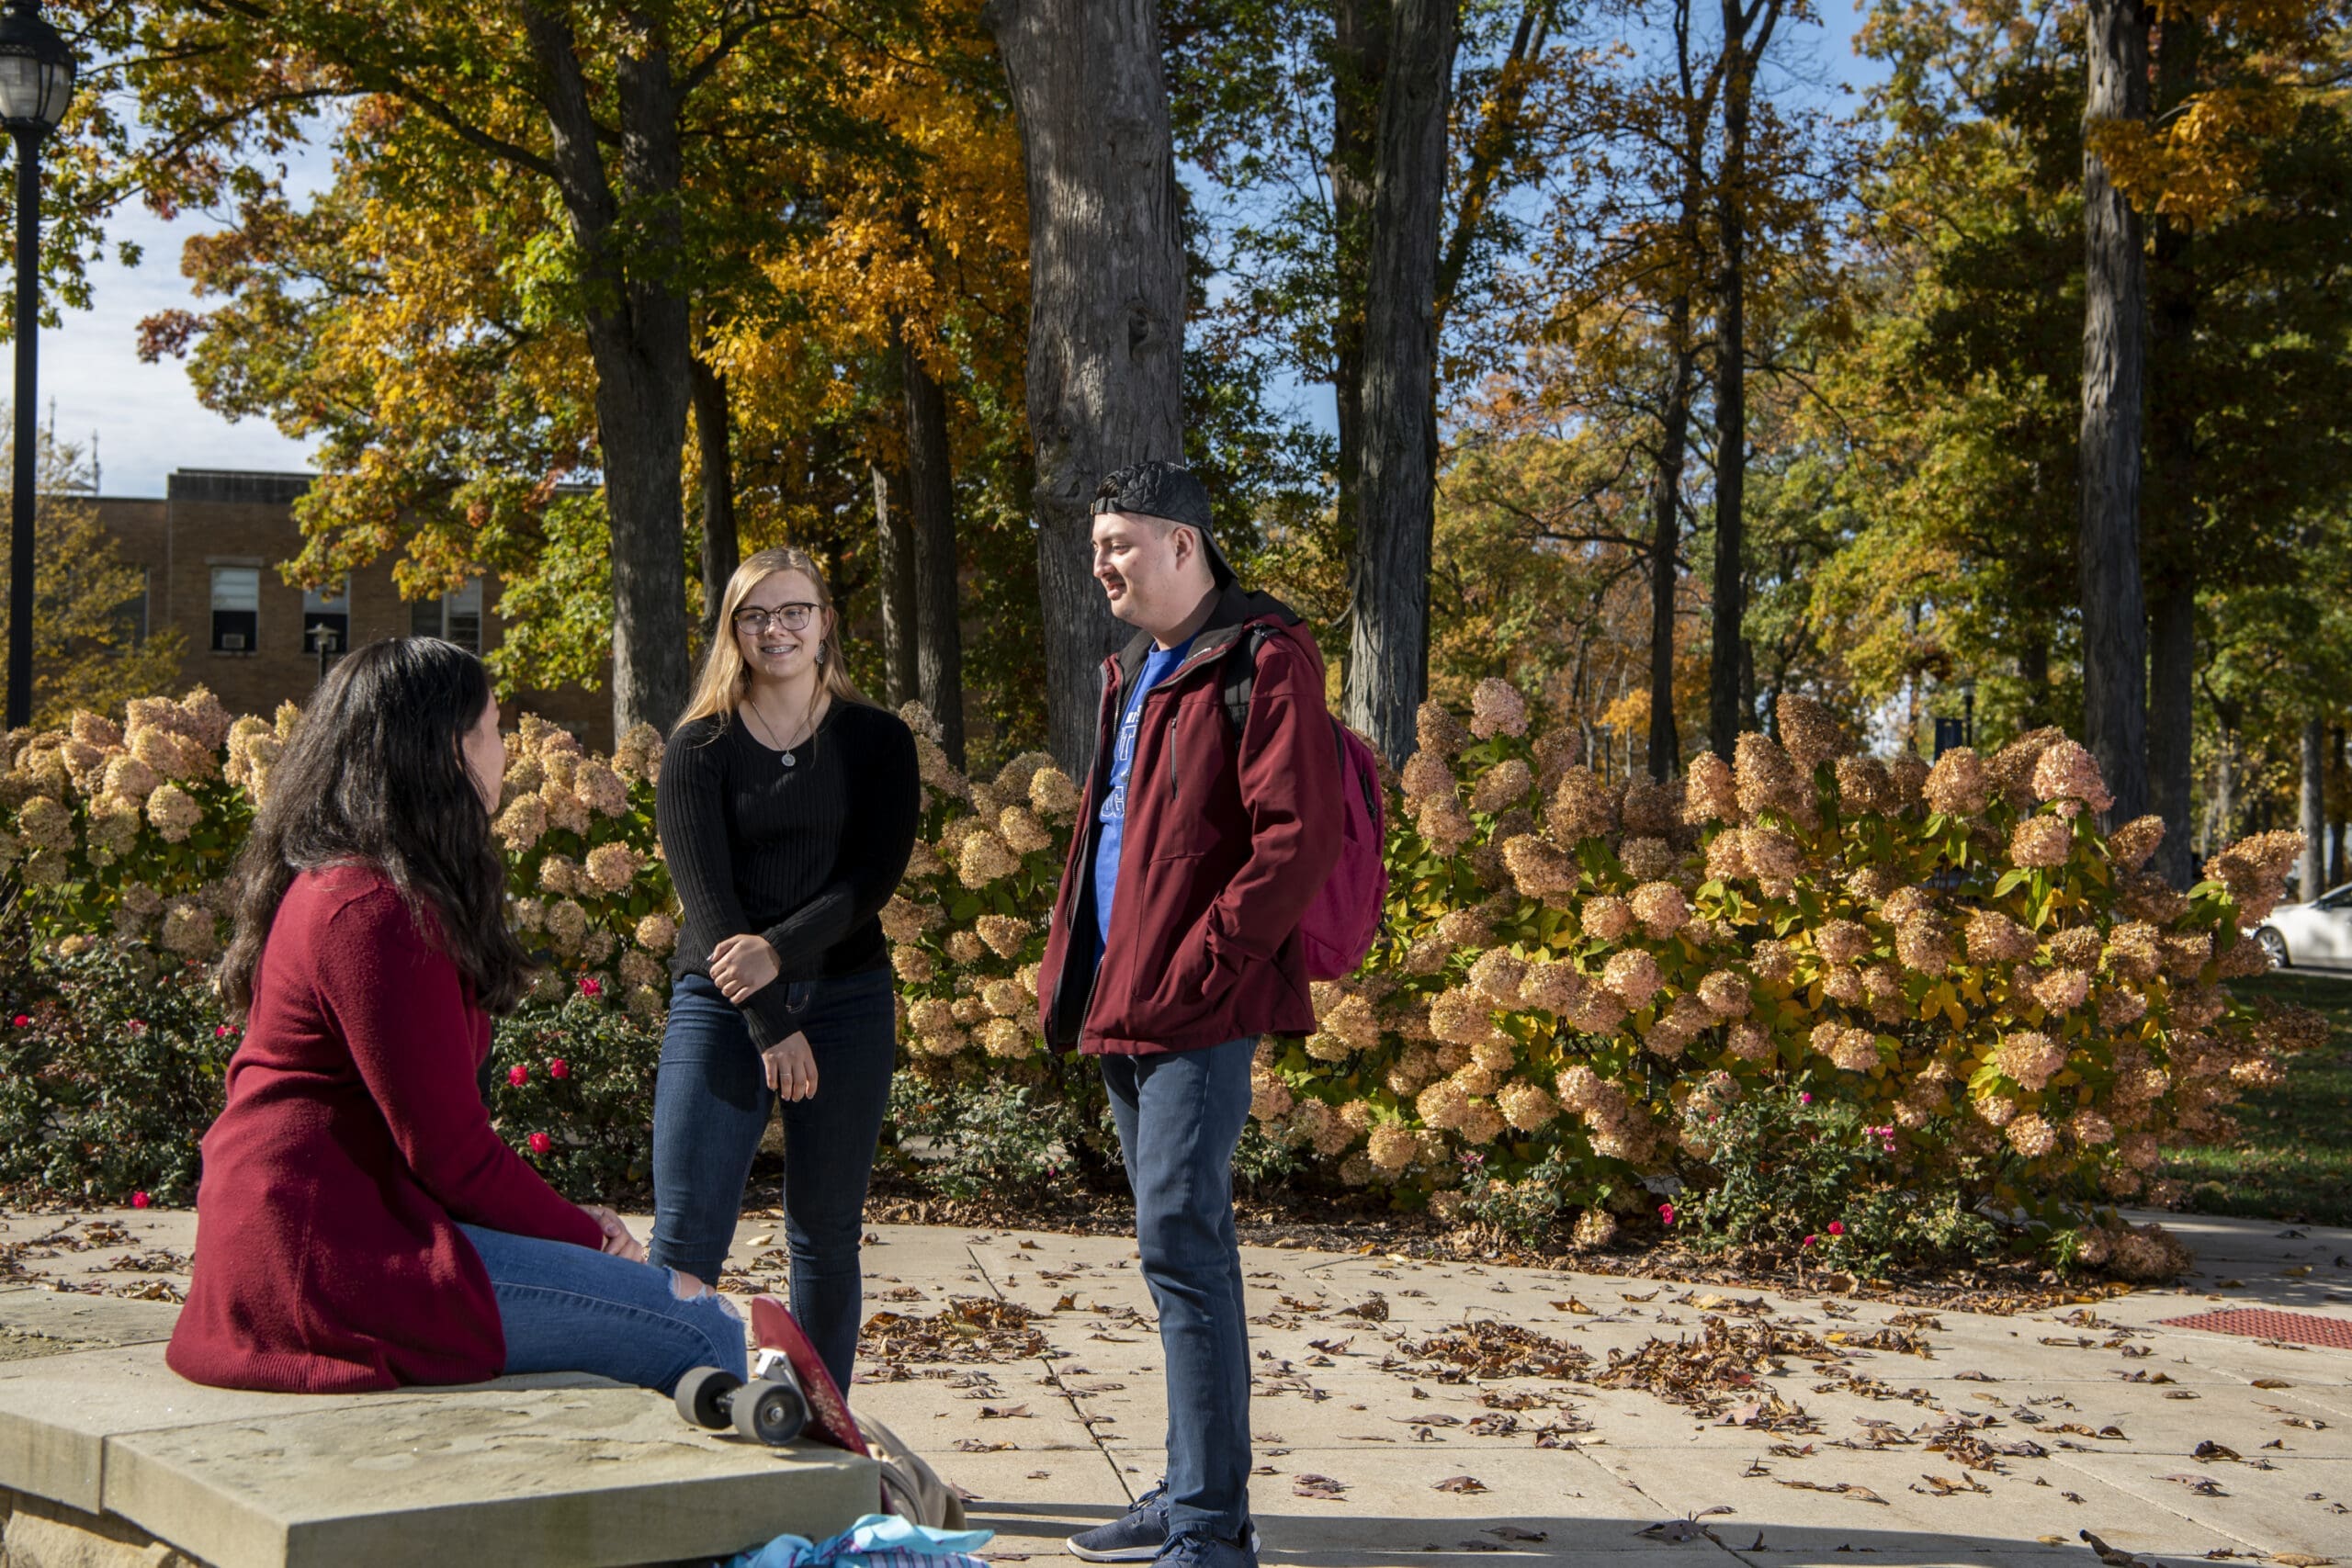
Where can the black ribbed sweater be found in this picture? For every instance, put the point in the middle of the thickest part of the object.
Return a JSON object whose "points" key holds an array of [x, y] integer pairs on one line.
{"points": [[804, 856]]}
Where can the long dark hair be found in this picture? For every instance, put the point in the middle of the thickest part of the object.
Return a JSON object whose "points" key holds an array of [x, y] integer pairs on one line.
{"points": [[374, 774]]}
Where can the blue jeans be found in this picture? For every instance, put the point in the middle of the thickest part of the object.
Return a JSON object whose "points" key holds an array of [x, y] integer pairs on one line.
{"points": [[711, 1103], [1180, 1116], [568, 1309]]}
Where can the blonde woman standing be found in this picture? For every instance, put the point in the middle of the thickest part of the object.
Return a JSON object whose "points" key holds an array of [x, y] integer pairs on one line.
{"points": [[788, 808]]}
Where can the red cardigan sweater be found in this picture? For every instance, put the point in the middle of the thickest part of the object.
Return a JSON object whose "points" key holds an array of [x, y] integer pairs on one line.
{"points": [[328, 1257]]}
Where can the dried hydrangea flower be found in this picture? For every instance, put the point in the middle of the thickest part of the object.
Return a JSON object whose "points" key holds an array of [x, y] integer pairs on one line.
{"points": [[1766, 780], [1502, 786], [1607, 918], [2134, 844], [2069, 775], [1633, 975], [1582, 808], [1710, 794], [1436, 730], [1959, 784], [1496, 708], [2041, 842], [1660, 908], [1810, 732], [2031, 1058]]}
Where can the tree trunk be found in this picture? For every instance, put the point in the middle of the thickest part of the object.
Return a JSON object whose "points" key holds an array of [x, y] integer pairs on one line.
{"points": [[1665, 543], [723, 549], [2171, 684], [1359, 41], [1388, 659], [930, 498], [894, 558], [1724, 720], [637, 332], [2115, 636], [2335, 869], [1106, 303], [2174, 521], [2310, 867]]}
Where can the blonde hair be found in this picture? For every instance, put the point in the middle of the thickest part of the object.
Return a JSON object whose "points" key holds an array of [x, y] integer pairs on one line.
{"points": [[719, 685]]}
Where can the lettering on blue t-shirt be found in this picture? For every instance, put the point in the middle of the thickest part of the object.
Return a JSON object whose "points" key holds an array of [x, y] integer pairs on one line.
{"points": [[1113, 815]]}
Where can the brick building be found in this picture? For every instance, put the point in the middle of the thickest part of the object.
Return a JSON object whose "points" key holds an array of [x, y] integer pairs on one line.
{"points": [[210, 550]]}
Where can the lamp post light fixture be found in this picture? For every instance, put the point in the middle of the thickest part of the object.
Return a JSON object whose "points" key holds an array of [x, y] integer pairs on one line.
{"points": [[36, 84]]}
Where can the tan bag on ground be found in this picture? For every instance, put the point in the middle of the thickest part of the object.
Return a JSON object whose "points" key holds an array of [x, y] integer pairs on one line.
{"points": [[911, 1487]]}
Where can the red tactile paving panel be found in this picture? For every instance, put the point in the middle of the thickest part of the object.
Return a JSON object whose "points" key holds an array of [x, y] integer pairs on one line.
{"points": [[2261, 1323]]}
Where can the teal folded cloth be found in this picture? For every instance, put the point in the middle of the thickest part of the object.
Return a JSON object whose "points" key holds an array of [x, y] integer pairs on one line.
{"points": [[877, 1540]]}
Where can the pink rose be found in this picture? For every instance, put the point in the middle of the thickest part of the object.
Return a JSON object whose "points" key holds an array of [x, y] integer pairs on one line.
{"points": [[518, 1075], [1837, 1227], [590, 986], [1805, 1097], [1665, 1212], [140, 1200], [1809, 1240], [559, 1068], [540, 1143]]}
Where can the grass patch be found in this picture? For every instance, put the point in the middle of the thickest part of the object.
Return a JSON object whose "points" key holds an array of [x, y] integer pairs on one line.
{"points": [[2295, 1159]]}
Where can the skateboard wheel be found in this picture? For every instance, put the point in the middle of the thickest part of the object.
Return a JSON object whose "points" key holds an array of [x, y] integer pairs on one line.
{"points": [[771, 1411], [702, 1396]]}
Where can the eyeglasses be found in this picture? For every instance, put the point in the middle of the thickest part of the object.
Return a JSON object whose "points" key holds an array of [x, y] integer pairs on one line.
{"points": [[791, 617]]}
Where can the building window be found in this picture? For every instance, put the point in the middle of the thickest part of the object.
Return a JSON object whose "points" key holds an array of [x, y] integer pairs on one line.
{"points": [[326, 613], [130, 616], [454, 615], [236, 609]]}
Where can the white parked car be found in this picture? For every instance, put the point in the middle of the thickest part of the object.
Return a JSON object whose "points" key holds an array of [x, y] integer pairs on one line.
{"points": [[2317, 935]]}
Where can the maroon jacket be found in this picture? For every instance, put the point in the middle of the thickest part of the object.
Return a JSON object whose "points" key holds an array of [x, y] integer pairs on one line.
{"points": [[328, 1257], [1227, 840]]}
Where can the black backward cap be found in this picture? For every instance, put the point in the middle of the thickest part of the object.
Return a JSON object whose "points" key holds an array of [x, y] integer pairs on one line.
{"points": [[1158, 488]]}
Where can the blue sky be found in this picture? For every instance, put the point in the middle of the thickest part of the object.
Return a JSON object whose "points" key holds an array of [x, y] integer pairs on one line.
{"points": [[147, 421]]}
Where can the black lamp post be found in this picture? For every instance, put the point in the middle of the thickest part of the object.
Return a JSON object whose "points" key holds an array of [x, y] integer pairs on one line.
{"points": [[36, 84]]}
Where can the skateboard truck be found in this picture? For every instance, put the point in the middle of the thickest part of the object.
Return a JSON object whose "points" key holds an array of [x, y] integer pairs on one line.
{"points": [[768, 1408]]}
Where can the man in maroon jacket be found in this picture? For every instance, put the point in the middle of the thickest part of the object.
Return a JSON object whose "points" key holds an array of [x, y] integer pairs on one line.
{"points": [[1174, 946]]}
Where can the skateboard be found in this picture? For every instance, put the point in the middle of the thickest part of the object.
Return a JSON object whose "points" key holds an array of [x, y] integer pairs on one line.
{"points": [[789, 1394]]}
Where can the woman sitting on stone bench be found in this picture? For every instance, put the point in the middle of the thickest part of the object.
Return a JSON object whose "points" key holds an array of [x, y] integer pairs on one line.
{"points": [[359, 1224]]}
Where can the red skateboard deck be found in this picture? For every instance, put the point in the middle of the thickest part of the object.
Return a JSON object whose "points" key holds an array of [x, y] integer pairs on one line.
{"points": [[773, 1328]]}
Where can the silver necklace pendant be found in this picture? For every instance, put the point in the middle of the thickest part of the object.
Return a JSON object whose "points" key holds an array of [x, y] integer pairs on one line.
{"points": [[790, 760]]}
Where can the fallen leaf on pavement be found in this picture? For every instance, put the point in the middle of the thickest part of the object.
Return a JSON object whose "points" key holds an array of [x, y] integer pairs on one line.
{"points": [[1459, 1483], [2272, 1383], [1319, 1488], [1843, 1488], [2203, 1485], [1576, 1306], [2110, 1555], [1512, 1533], [981, 1446], [1003, 1412], [2209, 1449], [1944, 1487]]}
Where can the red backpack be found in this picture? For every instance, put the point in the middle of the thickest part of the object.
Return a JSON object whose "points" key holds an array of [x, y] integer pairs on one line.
{"points": [[1338, 928]]}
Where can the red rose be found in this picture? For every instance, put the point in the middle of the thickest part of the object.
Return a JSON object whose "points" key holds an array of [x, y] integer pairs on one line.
{"points": [[518, 1075], [140, 1200], [1837, 1227], [590, 986], [22, 1020], [559, 1068], [1665, 1212], [540, 1143]]}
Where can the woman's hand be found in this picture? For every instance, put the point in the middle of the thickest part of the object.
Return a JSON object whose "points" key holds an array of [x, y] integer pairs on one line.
{"points": [[618, 1241], [791, 1067], [740, 965]]}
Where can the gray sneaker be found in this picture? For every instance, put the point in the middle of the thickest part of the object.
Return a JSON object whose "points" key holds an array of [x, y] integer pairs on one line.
{"points": [[1196, 1551], [1134, 1537], [1141, 1534]]}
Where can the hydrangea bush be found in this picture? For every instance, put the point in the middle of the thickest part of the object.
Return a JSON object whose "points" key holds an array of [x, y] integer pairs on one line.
{"points": [[1583, 985]]}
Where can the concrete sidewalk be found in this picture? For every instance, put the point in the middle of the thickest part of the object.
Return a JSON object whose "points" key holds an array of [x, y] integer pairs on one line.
{"points": [[1406, 1407]]}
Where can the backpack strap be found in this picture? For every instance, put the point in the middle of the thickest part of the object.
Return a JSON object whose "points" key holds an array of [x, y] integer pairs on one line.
{"points": [[1238, 677]]}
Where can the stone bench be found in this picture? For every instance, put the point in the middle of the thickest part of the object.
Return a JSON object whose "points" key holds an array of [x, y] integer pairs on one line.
{"points": [[109, 1458]]}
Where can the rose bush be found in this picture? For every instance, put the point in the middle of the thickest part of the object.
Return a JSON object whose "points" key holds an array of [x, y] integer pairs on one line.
{"points": [[1582, 983]]}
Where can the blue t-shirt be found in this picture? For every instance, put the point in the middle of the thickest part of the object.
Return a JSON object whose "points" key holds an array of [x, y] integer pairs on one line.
{"points": [[1113, 815]]}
